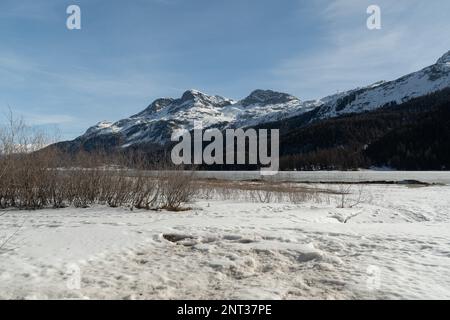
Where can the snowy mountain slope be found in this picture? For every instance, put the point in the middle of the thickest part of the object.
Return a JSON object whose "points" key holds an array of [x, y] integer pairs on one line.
{"points": [[430, 79], [155, 124]]}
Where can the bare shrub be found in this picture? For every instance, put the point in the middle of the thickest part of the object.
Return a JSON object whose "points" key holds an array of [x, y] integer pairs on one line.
{"points": [[34, 177], [297, 197], [263, 195], [121, 193], [176, 188], [350, 195], [145, 193], [26, 181]]}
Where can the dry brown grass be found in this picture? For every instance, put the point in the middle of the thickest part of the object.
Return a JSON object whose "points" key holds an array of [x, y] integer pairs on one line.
{"points": [[261, 191]]}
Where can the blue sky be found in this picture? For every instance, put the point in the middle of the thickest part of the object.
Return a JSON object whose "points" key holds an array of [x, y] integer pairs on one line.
{"points": [[130, 52]]}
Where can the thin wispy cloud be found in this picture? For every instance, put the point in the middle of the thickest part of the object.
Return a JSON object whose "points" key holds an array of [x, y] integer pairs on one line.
{"points": [[354, 56], [46, 119]]}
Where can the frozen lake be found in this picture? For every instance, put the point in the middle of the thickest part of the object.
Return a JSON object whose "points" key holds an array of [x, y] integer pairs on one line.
{"points": [[441, 177]]}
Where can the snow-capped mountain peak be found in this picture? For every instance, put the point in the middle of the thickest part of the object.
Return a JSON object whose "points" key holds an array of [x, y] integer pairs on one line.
{"points": [[193, 94], [155, 106], [199, 97], [102, 125], [265, 97], [156, 123], [189, 99], [445, 59]]}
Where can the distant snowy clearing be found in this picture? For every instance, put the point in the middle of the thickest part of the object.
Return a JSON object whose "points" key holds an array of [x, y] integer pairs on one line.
{"points": [[395, 246]]}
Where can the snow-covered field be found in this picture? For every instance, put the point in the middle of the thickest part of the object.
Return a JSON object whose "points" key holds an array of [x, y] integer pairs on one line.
{"points": [[395, 246]]}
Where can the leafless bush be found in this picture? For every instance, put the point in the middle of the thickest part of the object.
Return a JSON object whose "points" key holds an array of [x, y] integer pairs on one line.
{"points": [[350, 195], [296, 197], [25, 179], [145, 193], [176, 188], [34, 177]]}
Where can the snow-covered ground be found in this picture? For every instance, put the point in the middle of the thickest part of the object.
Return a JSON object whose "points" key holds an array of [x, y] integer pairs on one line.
{"points": [[395, 246]]}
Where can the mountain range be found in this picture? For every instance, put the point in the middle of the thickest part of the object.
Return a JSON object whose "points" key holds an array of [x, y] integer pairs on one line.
{"points": [[152, 127]]}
